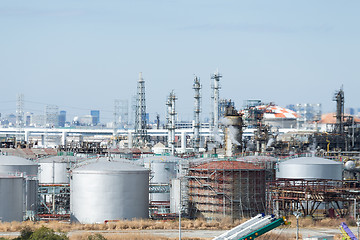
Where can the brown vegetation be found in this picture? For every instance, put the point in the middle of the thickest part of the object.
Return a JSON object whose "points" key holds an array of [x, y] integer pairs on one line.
{"points": [[120, 225], [129, 236], [147, 224]]}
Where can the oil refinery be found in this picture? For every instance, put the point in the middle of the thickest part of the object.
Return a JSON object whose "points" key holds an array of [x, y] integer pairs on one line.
{"points": [[260, 159]]}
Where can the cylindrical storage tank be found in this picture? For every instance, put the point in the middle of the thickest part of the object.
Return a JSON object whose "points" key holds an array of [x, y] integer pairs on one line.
{"points": [[12, 164], [11, 198], [55, 170], [163, 169], [310, 168], [109, 191]]}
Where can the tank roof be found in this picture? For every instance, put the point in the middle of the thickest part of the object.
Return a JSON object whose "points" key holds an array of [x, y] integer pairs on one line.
{"points": [[228, 165], [58, 159], [310, 161], [163, 158], [13, 160], [9, 176], [109, 167], [258, 158]]}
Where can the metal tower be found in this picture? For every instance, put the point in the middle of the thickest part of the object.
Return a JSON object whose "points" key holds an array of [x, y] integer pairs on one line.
{"points": [[197, 110], [171, 121], [116, 117], [216, 86], [20, 112], [124, 113], [121, 114], [140, 115]]}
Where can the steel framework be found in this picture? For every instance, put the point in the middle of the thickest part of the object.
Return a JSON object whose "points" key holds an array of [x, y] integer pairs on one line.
{"points": [[54, 201], [232, 189], [289, 195], [140, 118]]}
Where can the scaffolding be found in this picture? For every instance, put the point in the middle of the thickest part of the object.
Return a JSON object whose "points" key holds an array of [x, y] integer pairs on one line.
{"points": [[220, 189]]}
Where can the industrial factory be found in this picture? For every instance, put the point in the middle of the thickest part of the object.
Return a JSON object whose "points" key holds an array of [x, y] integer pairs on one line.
{"points": [[260, 158]]}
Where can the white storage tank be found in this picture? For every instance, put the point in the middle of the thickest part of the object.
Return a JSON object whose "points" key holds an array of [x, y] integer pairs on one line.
{"points": [[11, 198], [310, 168], [109, 191], [163, 169], [55, 170], [12, 165]]}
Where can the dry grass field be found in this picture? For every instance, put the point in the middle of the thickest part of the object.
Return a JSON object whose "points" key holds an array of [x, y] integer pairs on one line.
{"points": [[146, 224]]}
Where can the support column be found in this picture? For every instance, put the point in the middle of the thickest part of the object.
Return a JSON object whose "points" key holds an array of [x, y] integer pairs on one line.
{"points": [[42, 139], [183, 141], [130, 139], [27, 134], [63, 138]]}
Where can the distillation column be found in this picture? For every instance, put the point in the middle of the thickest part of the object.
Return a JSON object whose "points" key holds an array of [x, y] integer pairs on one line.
{"points": [[171, 121], [197, 97], [339, 98], [216, 87]]}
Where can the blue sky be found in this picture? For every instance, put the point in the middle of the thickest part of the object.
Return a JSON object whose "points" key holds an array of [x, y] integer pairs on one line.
{"points": [[82, 55]]}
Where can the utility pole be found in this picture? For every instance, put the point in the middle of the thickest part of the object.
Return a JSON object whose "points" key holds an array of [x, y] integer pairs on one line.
{"points": [[297, 214], [358, 228], [180, 208]]}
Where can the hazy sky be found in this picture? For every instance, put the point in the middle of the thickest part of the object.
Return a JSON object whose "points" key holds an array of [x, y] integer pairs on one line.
{"points": [[83, 54]]}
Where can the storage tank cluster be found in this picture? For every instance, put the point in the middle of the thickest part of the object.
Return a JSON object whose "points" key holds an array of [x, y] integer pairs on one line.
{"points": [[54, 186], [163, 169], [18, 188], [55, 170], [107, 190]]}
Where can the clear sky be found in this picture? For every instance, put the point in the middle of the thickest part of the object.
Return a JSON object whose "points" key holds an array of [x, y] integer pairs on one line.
{"points": [[83, 54]]}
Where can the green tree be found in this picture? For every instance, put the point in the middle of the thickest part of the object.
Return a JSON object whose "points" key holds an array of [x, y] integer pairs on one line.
{"points": [[45, 233], [96, 237]]}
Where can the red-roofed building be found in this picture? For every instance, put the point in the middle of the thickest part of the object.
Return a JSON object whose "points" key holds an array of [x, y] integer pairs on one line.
{"points": [[277, 116], [328, 121]]}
